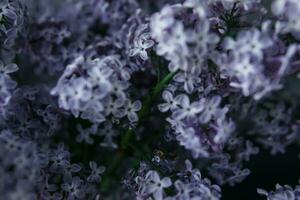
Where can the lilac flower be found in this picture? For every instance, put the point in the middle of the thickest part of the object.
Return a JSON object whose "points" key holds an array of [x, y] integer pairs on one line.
{"points": [[210, 109], [285, 192], [155, 185], [92, 95], [141, 43], [74, 188], [189, 79], [100, 73], [245, 4], [94, 111], [161, 21], [74, 95], [113, 107], [13, 18], [109, 133], [171, 102], [224, 130], [70, 169], [175, 43], [7, 69], [188, 109], [237, 175], [85, 134], [252, 42], [7, 84], [189, 172], [191, 185], [288, 13], [188, 138], [59, 160], [5, 90], [119, 89], [96, 172], [248, 76], [182, 189], [73, 104], [131, 109], [244, 63], [250, 149], [48, 188]]}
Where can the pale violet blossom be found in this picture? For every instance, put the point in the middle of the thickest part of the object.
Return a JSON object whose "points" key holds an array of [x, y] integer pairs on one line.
{"points": [[155, 185]]}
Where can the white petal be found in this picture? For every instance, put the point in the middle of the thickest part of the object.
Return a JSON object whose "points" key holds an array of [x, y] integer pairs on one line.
{"points": [[167, 96], [133, 117], [166, 182]]}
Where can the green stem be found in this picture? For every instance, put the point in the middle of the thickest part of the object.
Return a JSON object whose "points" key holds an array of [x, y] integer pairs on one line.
{"points": [[126, 139], [114, 164], [147, 105]]}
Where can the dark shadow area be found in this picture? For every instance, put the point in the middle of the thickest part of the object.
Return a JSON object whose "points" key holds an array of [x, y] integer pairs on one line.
{"points": [[266, 172]]}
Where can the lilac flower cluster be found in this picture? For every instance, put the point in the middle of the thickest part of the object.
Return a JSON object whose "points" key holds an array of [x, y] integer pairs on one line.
{"points": [[145, 99], [96, 89], [281, 192], [188, 185]]}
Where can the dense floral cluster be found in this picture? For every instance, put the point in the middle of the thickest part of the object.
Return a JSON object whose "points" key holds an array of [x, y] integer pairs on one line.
{"points": [[145, 99]]}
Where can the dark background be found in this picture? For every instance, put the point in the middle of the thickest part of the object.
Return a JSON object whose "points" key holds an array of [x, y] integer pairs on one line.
{"points": [[266, 172]]}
